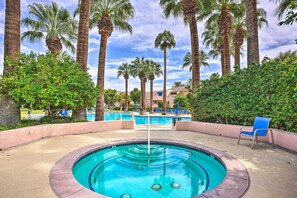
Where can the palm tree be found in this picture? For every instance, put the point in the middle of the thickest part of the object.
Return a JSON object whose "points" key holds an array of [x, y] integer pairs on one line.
{"points": [[253, 54], [239, 24], [221, 12], [165, 40], [188, 60], [12, 46], [54, 24], [187, 9], [283, 7], [106, 15], [82, 47], [212, 38], [125, 70], [177, 84], [153, 70], [139, 69]]}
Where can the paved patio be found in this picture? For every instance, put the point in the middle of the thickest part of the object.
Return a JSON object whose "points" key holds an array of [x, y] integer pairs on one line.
{"points": [[25, 169]]}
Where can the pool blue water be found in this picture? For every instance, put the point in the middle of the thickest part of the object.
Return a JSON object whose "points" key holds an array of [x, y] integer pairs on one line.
{"points": [[160, 120], [127, 170]]}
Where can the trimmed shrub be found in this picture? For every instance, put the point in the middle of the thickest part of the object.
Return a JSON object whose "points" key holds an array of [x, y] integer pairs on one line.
{"points": [[268, 89]]}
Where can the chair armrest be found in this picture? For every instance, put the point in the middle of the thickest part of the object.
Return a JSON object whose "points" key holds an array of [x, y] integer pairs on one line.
{"points": [[262, 129], [243, 127]]}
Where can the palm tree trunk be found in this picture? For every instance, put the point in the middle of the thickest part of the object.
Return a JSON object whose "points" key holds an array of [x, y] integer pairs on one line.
{"points": [[252, 32], [100, 78], [126, 94], [10, 113], [227, 52], [237, 56], [195, 51], [82, 48], [164, 85], [223, 63], [151, 95], [142, 96]]}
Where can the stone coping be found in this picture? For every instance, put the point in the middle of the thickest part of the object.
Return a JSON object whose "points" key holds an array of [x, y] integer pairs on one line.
{"points": [[63, 183]]}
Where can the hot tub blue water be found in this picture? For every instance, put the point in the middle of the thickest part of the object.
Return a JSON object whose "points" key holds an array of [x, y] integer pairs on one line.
{"points": [[169, 171], [159, 120]]}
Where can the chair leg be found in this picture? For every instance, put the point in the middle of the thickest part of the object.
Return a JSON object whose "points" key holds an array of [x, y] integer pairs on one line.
{"points": [[271, 133], [253, 140], [257, 139], [238, 138]]}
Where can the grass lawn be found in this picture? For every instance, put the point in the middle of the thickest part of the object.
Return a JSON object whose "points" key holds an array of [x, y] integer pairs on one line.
{"points": [[24, 112]]}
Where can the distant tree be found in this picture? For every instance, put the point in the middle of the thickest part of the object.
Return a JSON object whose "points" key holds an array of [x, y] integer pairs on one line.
{"points": [[177, 84], [202, 59], [120, 98], [135, 95], [125, 71], [153, 70], [110, 97], [165, 40], [54, 24], [45, 82], [139, 68], [182, 101]]}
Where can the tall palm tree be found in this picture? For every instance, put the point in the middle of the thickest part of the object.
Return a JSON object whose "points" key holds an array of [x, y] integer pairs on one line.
{"points": [[54, 24], [165, 40], [106, 15], [221, 12], [125, 71], [239, 25], [253, 54], [82, 47], [139, 69], [188, 10], [153, 70], [12, 45], [188, 60]]}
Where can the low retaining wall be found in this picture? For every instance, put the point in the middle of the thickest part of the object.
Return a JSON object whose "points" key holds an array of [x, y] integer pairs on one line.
{"points": [[25, 135], [283, 139]]}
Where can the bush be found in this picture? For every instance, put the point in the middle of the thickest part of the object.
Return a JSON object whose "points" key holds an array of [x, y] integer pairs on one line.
{"points": [[267, 89], [48, 83]]}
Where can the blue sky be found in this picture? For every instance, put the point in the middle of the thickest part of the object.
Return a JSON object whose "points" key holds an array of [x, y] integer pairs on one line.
{"points": [[149, 21]]}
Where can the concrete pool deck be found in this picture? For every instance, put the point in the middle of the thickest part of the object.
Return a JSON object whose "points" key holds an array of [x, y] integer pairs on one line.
{"points": [[25, 169]]}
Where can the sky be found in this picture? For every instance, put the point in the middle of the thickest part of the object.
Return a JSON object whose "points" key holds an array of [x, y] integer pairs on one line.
{"points": [[148, 22]]}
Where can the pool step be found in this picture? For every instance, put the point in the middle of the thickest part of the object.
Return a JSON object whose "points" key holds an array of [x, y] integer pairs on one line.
{"points": [[145, 163]]}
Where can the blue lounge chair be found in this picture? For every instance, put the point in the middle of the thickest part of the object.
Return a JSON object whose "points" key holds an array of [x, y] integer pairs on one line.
{"points": [[261, 125]]}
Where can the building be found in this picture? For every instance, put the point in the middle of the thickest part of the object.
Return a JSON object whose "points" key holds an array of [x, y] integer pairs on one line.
{"points": [[158, 96]]}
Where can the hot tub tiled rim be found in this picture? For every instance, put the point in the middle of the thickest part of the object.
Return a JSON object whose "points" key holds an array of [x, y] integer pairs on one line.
{"points": [[64, 184]]}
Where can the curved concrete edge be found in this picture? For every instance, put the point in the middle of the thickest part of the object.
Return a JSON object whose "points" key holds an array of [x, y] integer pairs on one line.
{"points": [[64, 184], [16, 137], [283, 139]]}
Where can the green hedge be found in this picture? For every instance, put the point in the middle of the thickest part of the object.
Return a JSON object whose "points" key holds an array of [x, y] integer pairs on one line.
{"points": [[268, 89]]}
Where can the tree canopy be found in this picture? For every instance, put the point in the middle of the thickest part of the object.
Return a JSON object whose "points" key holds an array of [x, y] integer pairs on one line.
{"points": [[49, 83]]}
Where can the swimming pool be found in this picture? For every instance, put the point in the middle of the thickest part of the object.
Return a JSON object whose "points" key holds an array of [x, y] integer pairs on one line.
{"points": [[158, 120], [169, 171]]}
